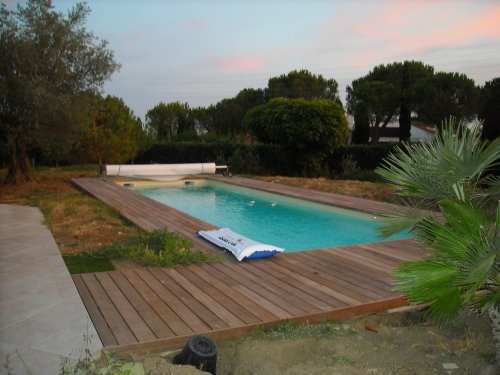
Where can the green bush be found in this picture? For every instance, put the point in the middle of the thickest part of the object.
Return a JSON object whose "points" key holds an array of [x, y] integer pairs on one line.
{"points": [[244, 162], [252, 158], [308, 129], [157, 248], [367, 157]]}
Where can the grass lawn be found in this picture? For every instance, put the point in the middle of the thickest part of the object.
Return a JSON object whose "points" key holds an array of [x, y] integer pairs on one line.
{"points": [[87, 262]]}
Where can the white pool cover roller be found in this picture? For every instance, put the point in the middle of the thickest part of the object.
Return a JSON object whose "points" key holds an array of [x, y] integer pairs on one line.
{"points": [[241, 247], [159, 171]]}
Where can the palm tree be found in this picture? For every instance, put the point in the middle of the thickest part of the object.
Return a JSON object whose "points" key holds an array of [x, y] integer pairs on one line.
{"points": [[450, 194]]}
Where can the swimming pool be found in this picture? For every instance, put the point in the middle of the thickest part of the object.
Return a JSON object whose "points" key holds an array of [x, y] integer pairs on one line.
{"points": [[282, 221]]}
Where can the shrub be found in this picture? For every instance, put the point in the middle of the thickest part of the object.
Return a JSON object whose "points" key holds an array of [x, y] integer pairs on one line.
{"points": [[244, 162], [308, 129], [252, 158], [157, 248], [367, 157]]}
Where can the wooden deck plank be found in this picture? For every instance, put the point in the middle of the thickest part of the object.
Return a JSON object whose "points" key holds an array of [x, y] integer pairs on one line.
{"points": [[174, 324], [292, 294], [363, 258], [336, 258], [245, 302], [113, 317], [329, 261], [358, 204], [318, 281], [248, 291], [185, 314], [264, 290], [199, 309], [140, 329], [231, 304], [102, 328], [197, 290], [344, 277], [140, 299], [302, 283], [156, 309]]}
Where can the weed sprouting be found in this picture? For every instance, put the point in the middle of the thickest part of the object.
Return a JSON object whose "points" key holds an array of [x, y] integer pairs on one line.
{"points": [[157, 248]]}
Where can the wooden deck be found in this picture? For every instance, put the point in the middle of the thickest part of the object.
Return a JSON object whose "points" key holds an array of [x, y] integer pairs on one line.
{"points": [[151, 309]]}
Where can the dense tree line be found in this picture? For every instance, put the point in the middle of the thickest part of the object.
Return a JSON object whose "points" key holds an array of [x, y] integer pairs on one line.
{"points": [[401, 91], [225, 119]]}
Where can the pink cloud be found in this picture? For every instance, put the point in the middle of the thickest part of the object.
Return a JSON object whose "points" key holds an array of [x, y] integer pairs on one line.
{"points": [[408, 28], [237, 64]]}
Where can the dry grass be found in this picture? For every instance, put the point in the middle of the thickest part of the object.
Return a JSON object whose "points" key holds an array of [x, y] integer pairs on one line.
{"points": [[77, 221], [361, 189]]}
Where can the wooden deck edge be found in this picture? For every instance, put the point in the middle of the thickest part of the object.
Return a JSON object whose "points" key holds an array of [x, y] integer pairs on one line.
{"points": [[384, 208], [155, 346]]}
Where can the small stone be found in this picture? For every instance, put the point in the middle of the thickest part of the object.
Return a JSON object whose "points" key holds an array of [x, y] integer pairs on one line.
{"points": [[450, 366], [373, 327], [346, 327]]}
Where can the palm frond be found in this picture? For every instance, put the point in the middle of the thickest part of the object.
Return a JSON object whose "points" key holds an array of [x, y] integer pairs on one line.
{"points": [[485, 300], [445, 243], [401, 218], [481, 271], [463, 217], [422, 281], [430, 282], [449, 166], [445, 308], [490, 192], [464, 238]]}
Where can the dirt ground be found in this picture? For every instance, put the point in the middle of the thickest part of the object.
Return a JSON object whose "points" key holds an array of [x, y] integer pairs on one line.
{"points": [[398, 343]]}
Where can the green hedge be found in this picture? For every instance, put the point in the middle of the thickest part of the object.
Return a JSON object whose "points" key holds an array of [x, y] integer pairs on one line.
{"points": [[259, 158], [242, 158], [367, 157]]}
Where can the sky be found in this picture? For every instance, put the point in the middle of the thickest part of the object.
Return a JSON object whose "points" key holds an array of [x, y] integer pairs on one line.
{"points": [[202, 51]]}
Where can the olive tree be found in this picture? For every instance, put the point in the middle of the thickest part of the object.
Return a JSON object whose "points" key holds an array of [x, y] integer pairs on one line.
{"points": [[49, 62]]}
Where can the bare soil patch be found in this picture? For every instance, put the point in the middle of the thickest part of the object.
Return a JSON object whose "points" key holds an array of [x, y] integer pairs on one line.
{"points": [[373, 345]]}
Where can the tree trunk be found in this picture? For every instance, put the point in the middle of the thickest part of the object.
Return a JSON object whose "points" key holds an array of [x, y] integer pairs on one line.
{"points": [[404, 110], [494, 315], [404, 122], [375, 133], [19, 167]]}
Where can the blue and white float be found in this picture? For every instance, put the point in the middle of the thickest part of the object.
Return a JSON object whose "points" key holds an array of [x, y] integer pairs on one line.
{"points": [[241, 246]]}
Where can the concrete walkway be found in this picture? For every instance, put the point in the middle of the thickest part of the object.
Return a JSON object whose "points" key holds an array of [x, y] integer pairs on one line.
{"points": [[42, 318]]}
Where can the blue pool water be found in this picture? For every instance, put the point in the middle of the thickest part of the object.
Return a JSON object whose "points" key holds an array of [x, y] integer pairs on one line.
{"points": [[282, 221]]}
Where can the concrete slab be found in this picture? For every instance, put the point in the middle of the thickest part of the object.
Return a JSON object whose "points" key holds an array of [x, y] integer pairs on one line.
{"points": [[42, 318]]}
